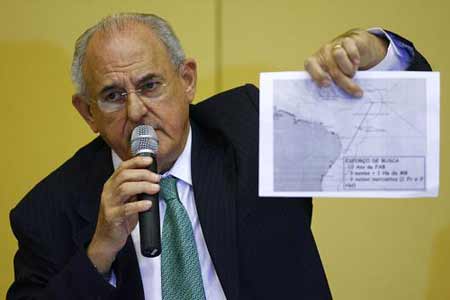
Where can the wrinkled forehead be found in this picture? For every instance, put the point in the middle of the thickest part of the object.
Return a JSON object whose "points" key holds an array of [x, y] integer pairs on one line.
{"points": [[122, 48]]}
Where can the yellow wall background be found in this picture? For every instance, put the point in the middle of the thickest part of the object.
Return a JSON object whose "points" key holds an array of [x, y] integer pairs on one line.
{"points": [[371, 249]]}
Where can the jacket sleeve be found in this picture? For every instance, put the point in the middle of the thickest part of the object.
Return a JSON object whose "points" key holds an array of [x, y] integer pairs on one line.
{"points": [[40, 270], [418, 62]]}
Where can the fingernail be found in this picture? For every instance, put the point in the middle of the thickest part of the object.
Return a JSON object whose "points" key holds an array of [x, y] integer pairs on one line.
{"points": [[359, 94], [147, 159], [147, 203]]}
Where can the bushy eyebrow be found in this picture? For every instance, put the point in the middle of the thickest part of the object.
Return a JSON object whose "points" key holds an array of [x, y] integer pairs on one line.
{"points": [[140, 81], [147, 78], [108, 88]]}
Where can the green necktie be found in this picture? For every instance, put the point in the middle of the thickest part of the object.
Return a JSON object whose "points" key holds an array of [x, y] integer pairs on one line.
{"points": [[181, 277]]}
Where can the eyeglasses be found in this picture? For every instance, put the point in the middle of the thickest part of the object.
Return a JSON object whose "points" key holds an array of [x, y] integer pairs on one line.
{"points": [[115, 99]]}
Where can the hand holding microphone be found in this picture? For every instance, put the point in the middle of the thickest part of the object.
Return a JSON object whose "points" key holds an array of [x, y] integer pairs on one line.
{"points": [[118, 211]]}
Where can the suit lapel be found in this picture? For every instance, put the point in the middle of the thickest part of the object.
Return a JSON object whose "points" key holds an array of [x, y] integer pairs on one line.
{"points": [[93, 174], [126, 267], [98, 171], [214, 184]]}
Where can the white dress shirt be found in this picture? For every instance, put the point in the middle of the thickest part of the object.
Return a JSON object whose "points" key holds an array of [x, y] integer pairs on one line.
{"points": [[150, 268]]}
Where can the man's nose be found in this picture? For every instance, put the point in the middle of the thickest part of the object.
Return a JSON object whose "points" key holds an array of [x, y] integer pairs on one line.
{"points": [[136, 109]]}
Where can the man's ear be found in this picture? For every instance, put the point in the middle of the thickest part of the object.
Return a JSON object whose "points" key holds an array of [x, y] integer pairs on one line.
{"points": [[188, 74], [84, 109]]}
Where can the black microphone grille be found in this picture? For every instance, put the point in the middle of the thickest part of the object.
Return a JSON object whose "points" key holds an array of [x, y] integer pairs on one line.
{"points": [[144, 140]]}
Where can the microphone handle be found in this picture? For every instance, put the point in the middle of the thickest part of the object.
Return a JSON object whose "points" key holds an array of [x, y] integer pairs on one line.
{"points": [[149, 224]]}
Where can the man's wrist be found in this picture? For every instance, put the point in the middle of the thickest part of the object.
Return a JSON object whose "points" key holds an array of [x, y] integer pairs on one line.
{"points": [[380, 46], [107, 275], [101, 257]]}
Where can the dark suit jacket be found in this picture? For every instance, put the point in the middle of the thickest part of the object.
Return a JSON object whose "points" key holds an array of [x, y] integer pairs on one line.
{"points": [[262, 248]]}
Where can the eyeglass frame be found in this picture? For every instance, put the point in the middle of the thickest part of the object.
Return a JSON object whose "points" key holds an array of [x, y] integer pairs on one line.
{"points": [[124, 94]]}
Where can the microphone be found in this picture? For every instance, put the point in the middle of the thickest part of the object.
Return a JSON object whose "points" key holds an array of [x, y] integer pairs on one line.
{"points": [[144, 142]]}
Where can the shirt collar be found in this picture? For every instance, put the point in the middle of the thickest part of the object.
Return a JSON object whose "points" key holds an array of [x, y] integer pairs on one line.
{"points": [[181, 169]]}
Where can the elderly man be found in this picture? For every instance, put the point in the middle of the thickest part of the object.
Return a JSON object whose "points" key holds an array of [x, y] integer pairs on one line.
{"points": [[77, 230]]}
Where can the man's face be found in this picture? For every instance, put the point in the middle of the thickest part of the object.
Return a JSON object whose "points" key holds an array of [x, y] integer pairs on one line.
{"points": [[127, 60]]}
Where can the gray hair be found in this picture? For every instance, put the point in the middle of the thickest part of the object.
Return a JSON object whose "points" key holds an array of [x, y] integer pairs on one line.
{"points": [[118, 21]]}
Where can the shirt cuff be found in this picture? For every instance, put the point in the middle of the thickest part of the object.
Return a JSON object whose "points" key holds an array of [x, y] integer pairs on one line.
{"points": [[112, 279], [396, 59]]}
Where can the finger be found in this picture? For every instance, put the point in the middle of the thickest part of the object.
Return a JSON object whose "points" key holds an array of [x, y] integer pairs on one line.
{"points": [[137, 162], [316, 72], [343, 61], [350, 47], [345, 82], [136, 207], [130, 189], [365, 48], [134, 175], [129, 209]]}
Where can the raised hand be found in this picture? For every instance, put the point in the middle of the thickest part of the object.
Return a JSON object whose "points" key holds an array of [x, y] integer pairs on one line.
{"points": [[339, 59]]}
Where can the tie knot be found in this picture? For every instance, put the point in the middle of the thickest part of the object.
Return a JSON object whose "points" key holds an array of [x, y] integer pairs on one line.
{"points": [[169, 188]]}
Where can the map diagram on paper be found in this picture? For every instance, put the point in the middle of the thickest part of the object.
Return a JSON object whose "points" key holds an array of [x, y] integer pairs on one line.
{"points": [[327, 143]]}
